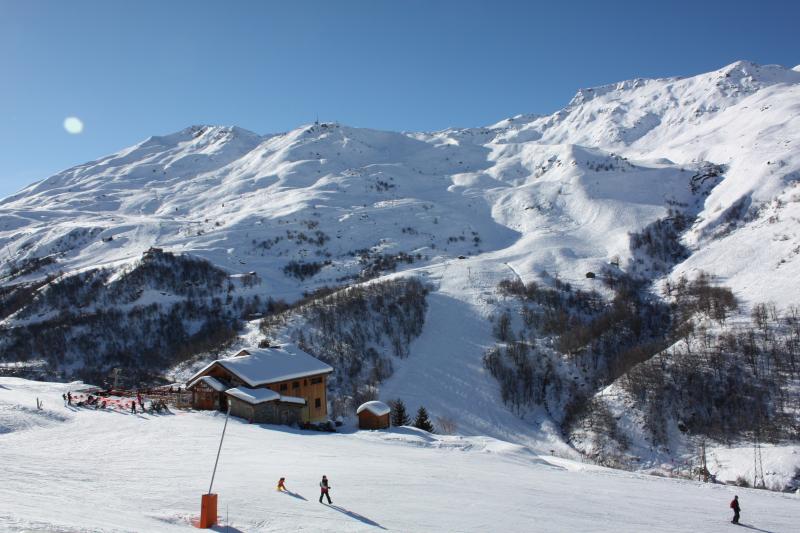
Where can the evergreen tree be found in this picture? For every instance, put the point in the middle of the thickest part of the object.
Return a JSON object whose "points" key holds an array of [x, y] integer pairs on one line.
{"points": [[399, 415], [422, 421]]}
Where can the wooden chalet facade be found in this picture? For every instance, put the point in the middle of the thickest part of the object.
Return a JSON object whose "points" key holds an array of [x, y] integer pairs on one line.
{"points": [[280, 385]]}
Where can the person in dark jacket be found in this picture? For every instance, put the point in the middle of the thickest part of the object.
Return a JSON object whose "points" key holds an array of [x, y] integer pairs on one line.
{"points": [[69, 398], [736, 509], [324, 489]]}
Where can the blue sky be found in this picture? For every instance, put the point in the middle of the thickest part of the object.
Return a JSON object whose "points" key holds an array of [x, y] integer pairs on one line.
{"points": [[129, 70]]}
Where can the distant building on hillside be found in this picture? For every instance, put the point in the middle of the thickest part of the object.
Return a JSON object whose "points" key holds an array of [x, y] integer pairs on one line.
{"points": [[279, 385], [373, 415]]}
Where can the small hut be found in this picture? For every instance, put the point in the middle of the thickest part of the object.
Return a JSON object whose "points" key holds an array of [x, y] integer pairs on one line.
{"points": [[373, 415]]}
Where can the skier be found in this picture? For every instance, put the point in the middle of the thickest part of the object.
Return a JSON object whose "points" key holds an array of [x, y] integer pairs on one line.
{"points": [[281, 486], [69, 398], [323, 489], [736, 509], [65, 399], [133, 407]]}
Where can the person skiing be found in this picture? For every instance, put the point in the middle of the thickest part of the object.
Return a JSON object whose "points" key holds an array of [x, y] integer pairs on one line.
{"points": [[324, 489], [69, 398], [65, 399], [281, 485], [133, 407], [736, 509]]}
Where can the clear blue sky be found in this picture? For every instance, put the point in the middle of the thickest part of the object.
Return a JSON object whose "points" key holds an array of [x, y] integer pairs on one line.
{"points": [[133, 69]]}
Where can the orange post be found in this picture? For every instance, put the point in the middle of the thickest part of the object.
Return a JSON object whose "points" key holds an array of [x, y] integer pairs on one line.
{"points": [[208, 511]]}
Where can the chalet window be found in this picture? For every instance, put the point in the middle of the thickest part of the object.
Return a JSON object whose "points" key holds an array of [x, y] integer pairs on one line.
{"points": [[317, 403], [296, 385], [314, 381], [284, 386]]}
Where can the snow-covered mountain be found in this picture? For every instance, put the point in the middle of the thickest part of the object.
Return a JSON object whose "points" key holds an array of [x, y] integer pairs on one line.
{"points": [[531, 199]]}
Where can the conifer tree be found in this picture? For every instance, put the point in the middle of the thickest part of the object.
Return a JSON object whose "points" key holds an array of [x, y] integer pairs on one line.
{"points": [[422, 421], [399, 415]]}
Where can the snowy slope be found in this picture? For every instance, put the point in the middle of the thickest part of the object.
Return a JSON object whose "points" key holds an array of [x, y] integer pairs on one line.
{"points": [[557, 193], [115, 472]]}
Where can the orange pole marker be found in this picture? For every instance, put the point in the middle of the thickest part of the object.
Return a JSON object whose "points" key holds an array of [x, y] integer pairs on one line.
{"points": [[208, 511]]}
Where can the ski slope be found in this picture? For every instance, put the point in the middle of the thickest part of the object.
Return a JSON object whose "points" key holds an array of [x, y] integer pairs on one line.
{"points": [[71, 469]]}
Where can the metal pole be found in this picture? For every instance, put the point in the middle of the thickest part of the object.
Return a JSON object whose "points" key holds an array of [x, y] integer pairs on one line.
{"points": [[214, 473]]}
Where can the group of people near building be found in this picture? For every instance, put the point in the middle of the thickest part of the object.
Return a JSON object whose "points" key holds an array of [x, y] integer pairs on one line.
{"points": [[157, 405]]}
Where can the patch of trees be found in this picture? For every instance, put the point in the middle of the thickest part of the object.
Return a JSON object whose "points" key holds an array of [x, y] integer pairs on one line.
{"points": [[725, 383], [302, 269], [592, 417], [716, 380], [180, 275], [399, 417], [92, 321], [660, 242], [317, 238], [708, 176], [30, 265], [523, 374], [612, 162], [557, 346], [600, 338], [267, 243], [356, 330], [13, 298], [374, 264], [141, 340]]}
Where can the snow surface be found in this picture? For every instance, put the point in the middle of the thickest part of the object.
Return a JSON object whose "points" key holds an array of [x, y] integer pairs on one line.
{"points": [[375, 407], [106, 471]]}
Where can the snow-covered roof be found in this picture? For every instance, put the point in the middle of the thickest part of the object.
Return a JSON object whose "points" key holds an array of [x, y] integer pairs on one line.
{"points": [[293, 399], [375, 407], [259, 366], [211, 381], [253, 396], [261, 395]]}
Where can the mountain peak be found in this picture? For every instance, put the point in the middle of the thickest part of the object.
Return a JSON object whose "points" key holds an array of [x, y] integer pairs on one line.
{"points": [[752, 75]]}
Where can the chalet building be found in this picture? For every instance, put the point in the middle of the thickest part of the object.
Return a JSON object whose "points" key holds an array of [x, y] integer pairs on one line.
{"points": [[279, 385], [373, 415]]}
